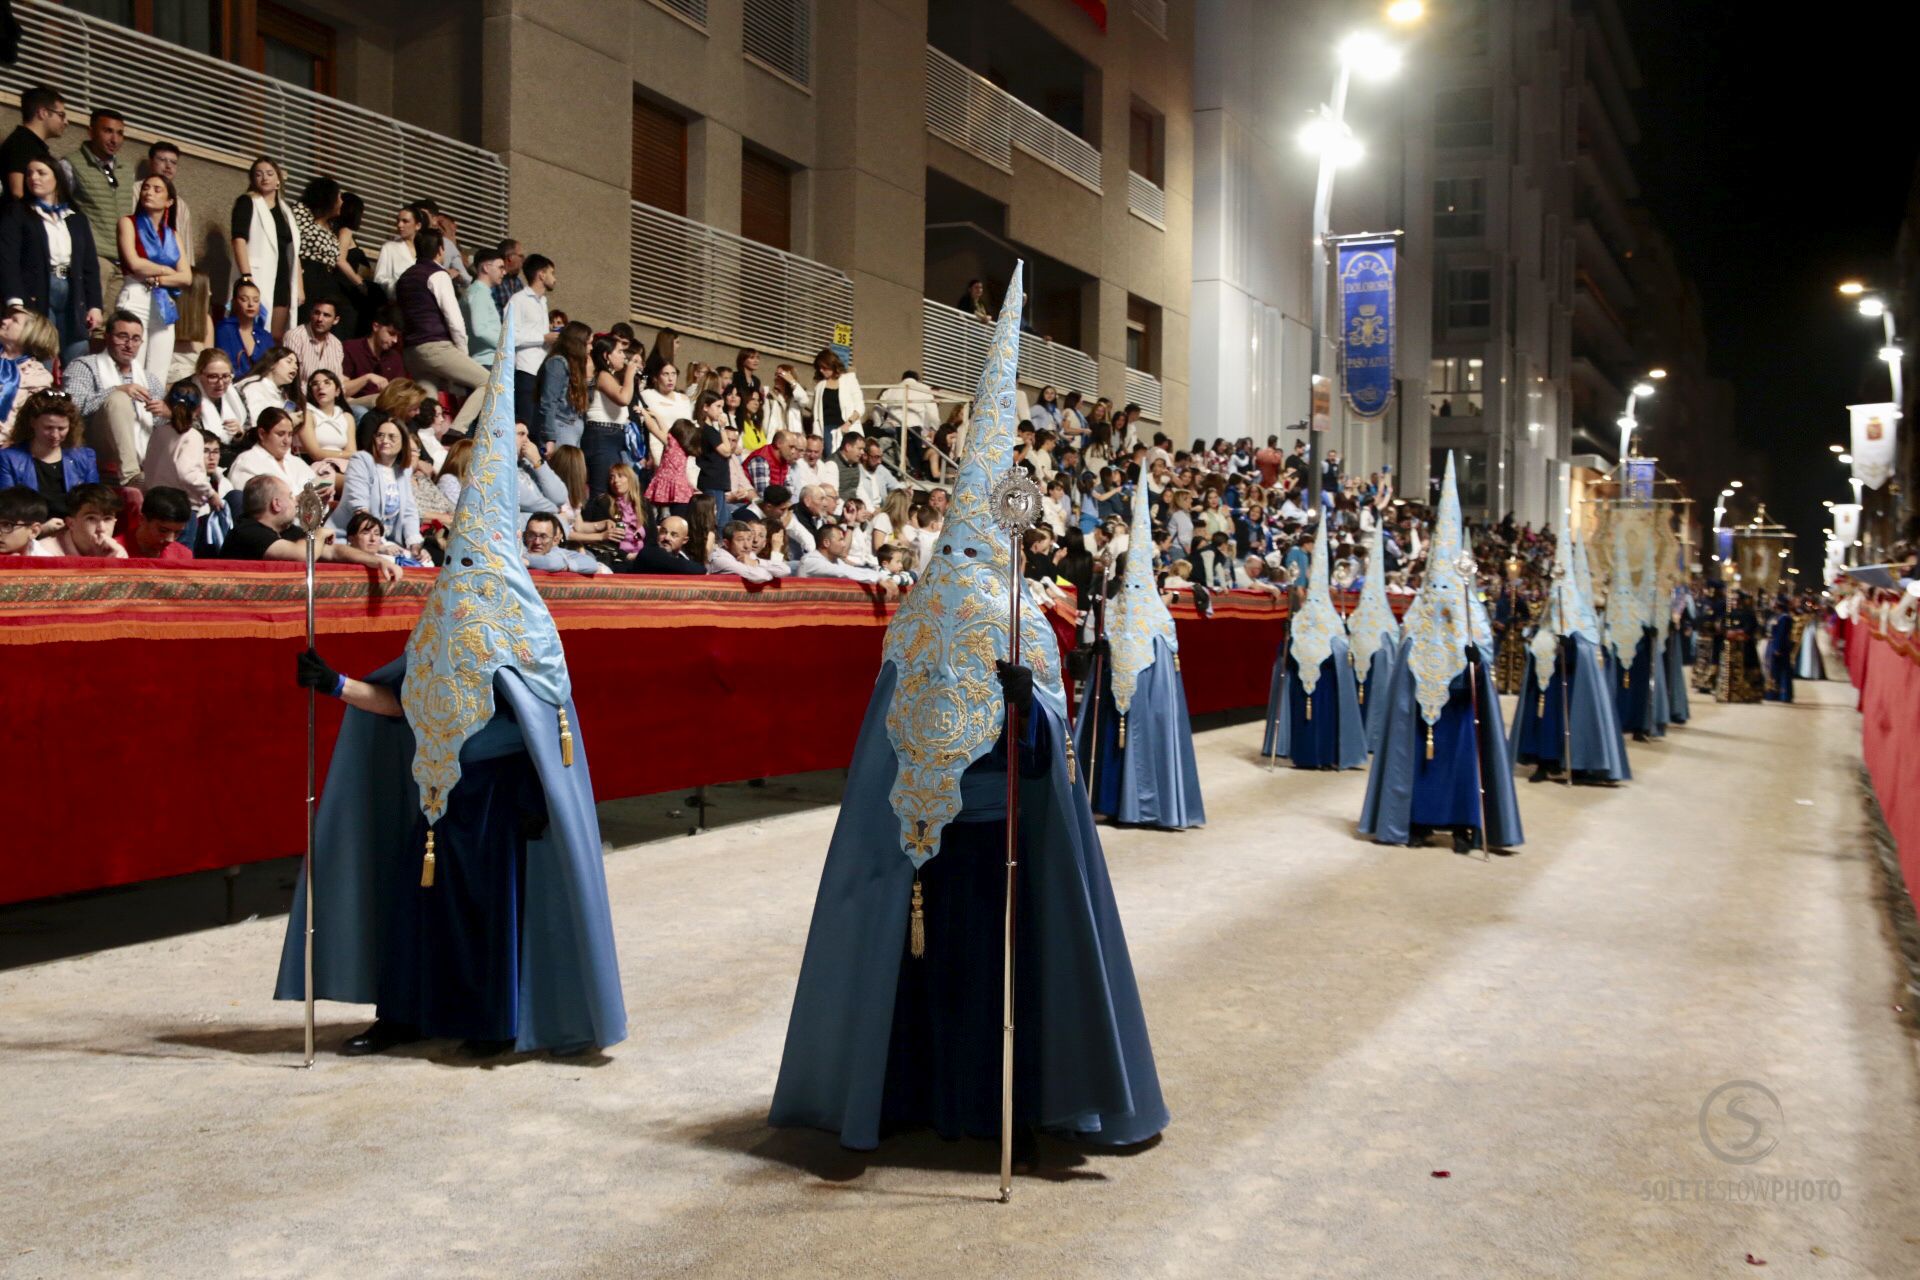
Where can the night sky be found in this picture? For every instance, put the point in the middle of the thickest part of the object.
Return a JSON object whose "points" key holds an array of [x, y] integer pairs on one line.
{"points": [[1777, 150]]}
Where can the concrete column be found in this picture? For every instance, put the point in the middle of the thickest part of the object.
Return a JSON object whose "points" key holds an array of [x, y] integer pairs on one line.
{"points": [[869, 183], [567, 158], [713, 174]]}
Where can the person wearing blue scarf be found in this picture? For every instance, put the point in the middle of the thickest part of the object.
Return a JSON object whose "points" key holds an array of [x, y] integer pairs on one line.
{"points": [[150, 253]]}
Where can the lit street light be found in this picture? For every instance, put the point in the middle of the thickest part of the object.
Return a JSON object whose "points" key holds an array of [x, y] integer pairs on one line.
{"points": [[1641, 391]]}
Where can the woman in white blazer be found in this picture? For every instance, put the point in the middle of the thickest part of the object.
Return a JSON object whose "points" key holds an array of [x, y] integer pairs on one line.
{"points": [[837, 400], [264, 249]]}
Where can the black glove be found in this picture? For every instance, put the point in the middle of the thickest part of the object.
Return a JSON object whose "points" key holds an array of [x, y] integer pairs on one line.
{"points": [[1017, 684], [312, 672]]}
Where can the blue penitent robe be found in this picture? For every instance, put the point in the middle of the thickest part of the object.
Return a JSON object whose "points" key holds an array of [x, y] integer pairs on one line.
{"points": [[1373, 694], [1335, 735], [881, 1042], [1407, 789], [1577, 695], [1810, 665], [1634, 693], [1153, 780], [1780, 658], [514, 941], [1679, 668]]}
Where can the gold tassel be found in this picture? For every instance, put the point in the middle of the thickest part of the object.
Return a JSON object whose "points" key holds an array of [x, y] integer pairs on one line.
{"points": [[1626, 679], [917, 923], [1429, 742], [1176, 661], [426, 863], [1308, 699], [1123, 731], [1073, 771], [566, 740], [1540, 707]]}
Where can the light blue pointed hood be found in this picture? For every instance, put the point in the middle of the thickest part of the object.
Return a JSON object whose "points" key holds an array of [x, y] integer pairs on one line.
{"points": [[947, 709], [1372, 623], [1442, 616], [1315, 627], [1138, 616], [483, 612]]}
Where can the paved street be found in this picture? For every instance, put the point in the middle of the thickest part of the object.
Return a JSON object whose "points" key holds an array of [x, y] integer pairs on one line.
{"points": [[1335, 1022]]}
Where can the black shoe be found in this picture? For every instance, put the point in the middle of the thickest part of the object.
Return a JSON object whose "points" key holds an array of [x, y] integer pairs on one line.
{"points": [[1463, 840], [1639, 736], [378, 1038], [1540, 773], [485, 1048], [1417, 834]]}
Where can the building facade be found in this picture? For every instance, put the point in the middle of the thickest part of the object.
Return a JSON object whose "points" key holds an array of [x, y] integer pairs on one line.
{"points": [[781, 174]]}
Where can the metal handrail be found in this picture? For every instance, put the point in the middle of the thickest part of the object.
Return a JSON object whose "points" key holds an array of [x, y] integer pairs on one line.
{"points": [[230, 110], [954, 346], [1146, 199], [987, 122]]}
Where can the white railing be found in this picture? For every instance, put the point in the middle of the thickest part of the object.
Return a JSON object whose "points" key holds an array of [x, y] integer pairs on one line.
{"points": [[1153, 13], [190, 98], [712, 282], [954, 349], [779, 35], [1146, 200], [1144, 390], [987, 122]]}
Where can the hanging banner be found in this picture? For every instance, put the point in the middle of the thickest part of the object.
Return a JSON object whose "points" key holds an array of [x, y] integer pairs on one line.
{"points": [[1874, 431], [1366, 326], [1723, 545], [1846, 522], [1640, 478]]}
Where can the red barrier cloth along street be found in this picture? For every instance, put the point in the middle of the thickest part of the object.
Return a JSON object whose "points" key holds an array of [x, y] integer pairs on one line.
{"points": [[163, 698], [1887, 669]]}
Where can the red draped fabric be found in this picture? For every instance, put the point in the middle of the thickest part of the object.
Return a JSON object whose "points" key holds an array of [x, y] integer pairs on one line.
{"points": [[163, 702], [1885, 664]]}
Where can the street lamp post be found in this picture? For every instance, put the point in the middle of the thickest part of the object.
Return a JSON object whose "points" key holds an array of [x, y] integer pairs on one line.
{"points": [[1641, 390], [1329, 135]]}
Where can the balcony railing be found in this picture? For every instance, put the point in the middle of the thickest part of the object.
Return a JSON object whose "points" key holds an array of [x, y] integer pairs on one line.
{"points": [[711, 282], [954, 349], [211, 105], [1154, 14], [987, 122], [1146, 200], [1144, 389]]}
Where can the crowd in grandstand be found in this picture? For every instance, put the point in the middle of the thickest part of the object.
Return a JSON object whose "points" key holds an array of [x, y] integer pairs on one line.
{"points": [[142, 417]]}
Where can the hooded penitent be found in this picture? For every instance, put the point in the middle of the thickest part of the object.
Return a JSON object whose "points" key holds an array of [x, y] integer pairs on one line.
{"points": [[1442, 617], [1137, 616], [1372, 626], [1318, 624]]}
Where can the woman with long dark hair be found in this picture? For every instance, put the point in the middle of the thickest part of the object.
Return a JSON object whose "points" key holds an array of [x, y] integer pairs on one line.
{"points": [[151, 270], [564, 387], [608, 438], [356, 281], [325, 273], [263, 243]]}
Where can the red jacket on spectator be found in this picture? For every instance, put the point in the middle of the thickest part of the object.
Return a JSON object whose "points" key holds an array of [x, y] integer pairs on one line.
{"points": [[764, 466]]}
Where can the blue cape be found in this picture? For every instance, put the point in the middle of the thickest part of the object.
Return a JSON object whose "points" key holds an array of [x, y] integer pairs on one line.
{"points": [[1595, 740], [1373, 694], [1153, 780], [1389, 811], [1097, 1075], [569, 980], [1679, 709], [1334, 694]]}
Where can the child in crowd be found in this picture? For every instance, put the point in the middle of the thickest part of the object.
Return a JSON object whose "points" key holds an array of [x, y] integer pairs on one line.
{"points": [[897, 559], [22, 515], [92, 512]]}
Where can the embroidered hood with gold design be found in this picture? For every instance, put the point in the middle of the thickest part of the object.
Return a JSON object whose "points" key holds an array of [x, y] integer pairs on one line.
{"points": [[1372, 623], [483, 612], [1317, 625], [1137, 616], [1442, 621], [947, 710]]}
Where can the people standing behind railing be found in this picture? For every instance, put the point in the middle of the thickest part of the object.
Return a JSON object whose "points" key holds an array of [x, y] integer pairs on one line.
{"points": [[788, 403], [565, 388], [151, 270], [662, 404], [436, 350], [264, 249], [47, 258], [533, 334], [610, 437], [481, 311]]}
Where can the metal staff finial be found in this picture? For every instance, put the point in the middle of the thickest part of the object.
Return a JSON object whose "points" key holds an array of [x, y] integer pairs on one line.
{"points": [[1015, 504], [310, 510]]}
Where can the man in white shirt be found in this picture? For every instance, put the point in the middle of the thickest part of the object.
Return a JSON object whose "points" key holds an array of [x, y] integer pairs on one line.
{"points": [[314, 344], [531, 334], [734, 554], [118, 397], [812, 468], [876, 482], [912, 402], [829, 560]]}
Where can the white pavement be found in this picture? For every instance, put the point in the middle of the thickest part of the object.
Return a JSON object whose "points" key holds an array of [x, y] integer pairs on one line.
{"points": [[1334, 1021]]}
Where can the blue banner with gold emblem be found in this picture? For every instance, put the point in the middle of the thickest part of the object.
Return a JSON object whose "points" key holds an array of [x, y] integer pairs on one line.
{"points": [[1366, 326], [1640, 479]]}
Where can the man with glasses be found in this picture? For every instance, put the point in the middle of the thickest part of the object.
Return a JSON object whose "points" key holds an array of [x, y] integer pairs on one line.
{"points": [[118, 397], [43, 117]]}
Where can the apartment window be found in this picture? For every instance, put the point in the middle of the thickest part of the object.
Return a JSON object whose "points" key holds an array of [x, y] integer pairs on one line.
{"points": [[1459, 207], [1463, 118], [293, 48], [766, 200], [1464, 30], [197, 24], [778, 34], [1143, 335], [1469, 299], [659, 157], [1145, 130], [1455, 387]]}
